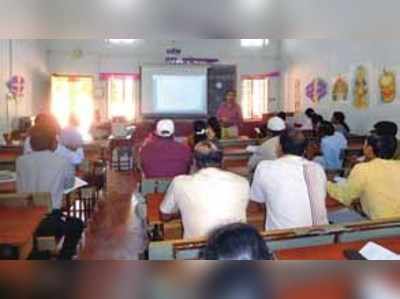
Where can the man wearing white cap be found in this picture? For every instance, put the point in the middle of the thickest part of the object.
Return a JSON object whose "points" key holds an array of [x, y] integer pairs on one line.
{"points": [[267, 151], [162, 156]]}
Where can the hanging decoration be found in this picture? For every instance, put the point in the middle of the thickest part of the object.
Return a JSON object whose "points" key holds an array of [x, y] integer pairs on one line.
{"points": [[297, 95], [16, 87], [361, 92], [340, 89], [316, 90], [387, 85]]}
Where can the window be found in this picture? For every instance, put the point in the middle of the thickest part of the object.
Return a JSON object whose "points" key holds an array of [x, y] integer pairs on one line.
{"points": [[254, 97], [122, 94], [73, 95]]}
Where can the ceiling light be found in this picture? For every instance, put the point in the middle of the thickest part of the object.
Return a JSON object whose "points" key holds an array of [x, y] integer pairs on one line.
{"points": [[120, 41], [254, 42]]}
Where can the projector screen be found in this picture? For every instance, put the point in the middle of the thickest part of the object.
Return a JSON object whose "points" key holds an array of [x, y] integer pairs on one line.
{"points": [[174, 91]]}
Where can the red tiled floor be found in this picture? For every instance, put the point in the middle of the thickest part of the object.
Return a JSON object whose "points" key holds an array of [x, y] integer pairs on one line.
{"points": [[115, 232]]}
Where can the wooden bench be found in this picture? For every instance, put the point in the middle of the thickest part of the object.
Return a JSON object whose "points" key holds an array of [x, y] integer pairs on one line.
{"points": [[334, 251], [310, 238], [154, 185], [174, 229]]}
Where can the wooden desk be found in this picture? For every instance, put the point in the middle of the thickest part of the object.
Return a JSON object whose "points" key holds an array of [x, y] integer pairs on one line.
{"points": [[333, 251], [18, 226]]}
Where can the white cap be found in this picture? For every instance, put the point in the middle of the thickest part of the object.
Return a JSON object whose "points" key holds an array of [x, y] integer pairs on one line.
{"points": [[276, 124], [165, 128]]}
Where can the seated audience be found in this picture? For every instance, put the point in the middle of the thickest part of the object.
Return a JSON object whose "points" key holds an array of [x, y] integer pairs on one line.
{"points": [[293, 188], [45, 171], [316, 121], [306, 122], [282, 115], [339, 122], [333, 145], [162, 156], [213, 129], [389, 128], [74, 156], [207, 199], [267, 151], [70, 136], [236, 241], [376, 183], [199, 133]]}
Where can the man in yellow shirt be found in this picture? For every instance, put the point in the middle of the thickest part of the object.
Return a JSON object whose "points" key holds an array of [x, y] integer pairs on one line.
{"points": [[376, 182]]}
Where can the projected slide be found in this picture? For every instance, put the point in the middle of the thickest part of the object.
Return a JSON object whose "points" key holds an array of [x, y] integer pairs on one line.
{"points": [[173, 91], [179, 93]]}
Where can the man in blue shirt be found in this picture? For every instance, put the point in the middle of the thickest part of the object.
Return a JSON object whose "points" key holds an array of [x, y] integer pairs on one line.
{"points": [[333, 145]]}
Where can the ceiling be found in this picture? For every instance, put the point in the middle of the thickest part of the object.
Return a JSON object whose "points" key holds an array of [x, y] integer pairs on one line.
{"points": [[200, 19]]}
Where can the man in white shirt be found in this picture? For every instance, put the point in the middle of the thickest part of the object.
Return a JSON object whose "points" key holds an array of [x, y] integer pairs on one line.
{"points": [[267, 151], [45, 171], [293, 188], [70, 136], [207, 199]]}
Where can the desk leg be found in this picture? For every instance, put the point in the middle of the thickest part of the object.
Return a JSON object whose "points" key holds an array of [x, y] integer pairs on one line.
{"points": [[68, 208]]}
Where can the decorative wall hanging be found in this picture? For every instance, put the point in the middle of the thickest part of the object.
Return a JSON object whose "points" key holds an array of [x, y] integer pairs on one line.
{"points": [[387, 85], [316, 90], [16, 87], [361, 91], [340, 89], [297, 95]]}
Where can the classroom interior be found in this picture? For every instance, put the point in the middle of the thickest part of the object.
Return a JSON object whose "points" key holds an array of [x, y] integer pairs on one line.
{"points": [[107, 84]]}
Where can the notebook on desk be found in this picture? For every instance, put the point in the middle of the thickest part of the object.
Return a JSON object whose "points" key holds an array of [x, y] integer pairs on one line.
{"points": [[79, 183]]}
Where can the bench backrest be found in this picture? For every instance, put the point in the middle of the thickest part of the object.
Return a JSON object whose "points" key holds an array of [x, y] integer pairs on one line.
{"points": [[26, 200], [156, 185], [288, 239]]}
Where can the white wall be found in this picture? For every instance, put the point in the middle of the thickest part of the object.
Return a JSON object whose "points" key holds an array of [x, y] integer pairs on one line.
{"points": [[28, 59], [307, 59], [98, 57]]}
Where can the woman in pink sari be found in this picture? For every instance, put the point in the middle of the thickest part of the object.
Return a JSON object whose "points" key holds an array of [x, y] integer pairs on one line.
{"points": [[230, 116]]}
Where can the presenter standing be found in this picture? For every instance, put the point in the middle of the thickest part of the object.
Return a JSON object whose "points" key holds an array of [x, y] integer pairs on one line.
{"points": [[230, 115]]}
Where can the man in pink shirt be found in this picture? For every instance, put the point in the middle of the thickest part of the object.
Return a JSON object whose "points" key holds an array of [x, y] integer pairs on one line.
{"points": [[162, 156], [230, 115]]}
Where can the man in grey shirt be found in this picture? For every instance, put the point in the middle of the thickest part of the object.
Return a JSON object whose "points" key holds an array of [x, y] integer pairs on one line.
{"points": [[45, 171], [267, 151]]}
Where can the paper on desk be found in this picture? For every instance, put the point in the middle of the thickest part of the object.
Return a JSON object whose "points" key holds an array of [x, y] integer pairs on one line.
{"points": [[79, 183], [7, 176], [375, 252], [251, 148]]}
